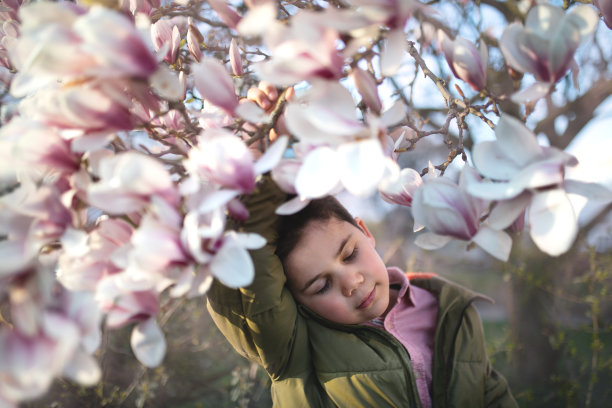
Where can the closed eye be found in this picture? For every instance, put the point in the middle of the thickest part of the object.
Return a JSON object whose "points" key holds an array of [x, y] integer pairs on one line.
{"points": [[352, 255], [324, 289]]}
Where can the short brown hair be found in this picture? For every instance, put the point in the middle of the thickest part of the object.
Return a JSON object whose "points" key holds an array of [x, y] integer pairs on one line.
{"points": [[291, 227]]}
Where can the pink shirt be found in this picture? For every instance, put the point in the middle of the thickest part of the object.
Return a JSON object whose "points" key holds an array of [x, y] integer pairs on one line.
{"points": [[412, 320]]}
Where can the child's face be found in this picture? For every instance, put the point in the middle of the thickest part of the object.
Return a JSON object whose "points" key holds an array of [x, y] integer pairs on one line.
{"points": [[336, 272]]}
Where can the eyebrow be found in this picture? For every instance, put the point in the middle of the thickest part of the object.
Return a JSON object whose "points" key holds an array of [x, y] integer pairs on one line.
{"points": [[340, 248]]}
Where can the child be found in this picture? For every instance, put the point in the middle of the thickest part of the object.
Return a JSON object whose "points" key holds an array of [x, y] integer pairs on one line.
{"points": [[359, 335]]}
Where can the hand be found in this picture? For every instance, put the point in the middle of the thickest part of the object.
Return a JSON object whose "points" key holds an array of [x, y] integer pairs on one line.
{"points": [[265, 95]]}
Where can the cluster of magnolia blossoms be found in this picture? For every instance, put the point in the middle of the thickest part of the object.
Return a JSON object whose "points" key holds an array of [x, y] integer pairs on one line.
{"points": [[116, 190]]}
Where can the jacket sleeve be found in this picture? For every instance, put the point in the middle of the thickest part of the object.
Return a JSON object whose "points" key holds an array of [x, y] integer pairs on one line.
{"points": [[497, 391], [261, 320]]}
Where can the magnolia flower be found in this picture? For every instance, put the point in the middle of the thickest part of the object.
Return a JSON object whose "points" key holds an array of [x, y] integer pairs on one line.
{"points": [[123, 307], [368, 88], [88, 257], [303, 50], [65, 41], [90, 107], [449, 212], [128, 181], [194, 38], [338, 150], [235, 58], [546, 44], [227, 14], [64, 334], [166, 36], [467, 63], [214, 83], [30, 218], [530, 176], [29, 146], [224, 253], [605, 8], [400, 190], [221, 158]]}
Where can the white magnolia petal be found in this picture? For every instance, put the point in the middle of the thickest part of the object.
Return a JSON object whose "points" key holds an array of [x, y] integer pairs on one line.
{"points": [[592, 191], [319, 174], [532, 93], [552, 220], [493, 191], [497, 243], [148, 343], [393, 53], [563, 45], [430, 241], [292, 206], [516, 141], [539, 174], [512, 48], [233, 266], [167, 84], [251, 112], [394, 115], [363, 166], [258, 19], [584, 18], [492, 162], [505, 212], [272, 156], [217, 199], [83, 369], [247, 240]]}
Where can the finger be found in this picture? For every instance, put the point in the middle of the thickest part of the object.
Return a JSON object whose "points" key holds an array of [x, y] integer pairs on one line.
{"points": [[290, 94], [272, 135], [259, 97], [269, 89]]}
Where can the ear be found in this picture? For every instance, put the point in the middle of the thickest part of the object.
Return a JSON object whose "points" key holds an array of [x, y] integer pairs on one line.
{"points": [[365, 230]]}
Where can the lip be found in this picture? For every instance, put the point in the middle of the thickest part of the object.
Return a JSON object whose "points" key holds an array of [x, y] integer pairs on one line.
{"points": [[367, 301]]}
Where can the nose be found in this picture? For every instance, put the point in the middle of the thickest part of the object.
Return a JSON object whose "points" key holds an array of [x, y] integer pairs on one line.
{"points": [[351, 280]]}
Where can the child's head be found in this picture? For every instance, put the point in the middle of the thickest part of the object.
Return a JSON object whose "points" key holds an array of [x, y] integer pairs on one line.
{"points": [[331, 264]]}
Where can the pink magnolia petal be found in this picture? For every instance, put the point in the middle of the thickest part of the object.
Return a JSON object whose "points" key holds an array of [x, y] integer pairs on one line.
{"points": [[227, 14], [368, 88], [401, 189], [512, 45], [235, 58], [496, 243], [148, 343], [552, 221], [467, 64], [214, 83]]}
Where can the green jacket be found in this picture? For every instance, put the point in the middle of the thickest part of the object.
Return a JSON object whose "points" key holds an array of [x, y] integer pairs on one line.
{"points": [[313, 362]]}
